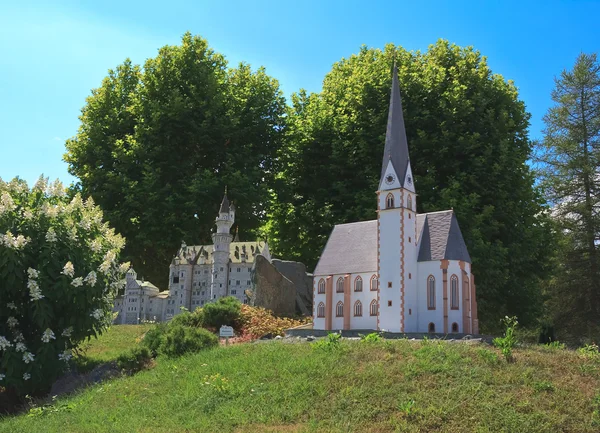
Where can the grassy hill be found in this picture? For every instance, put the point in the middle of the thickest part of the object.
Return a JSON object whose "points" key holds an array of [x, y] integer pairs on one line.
{"points": [[377, 387]]}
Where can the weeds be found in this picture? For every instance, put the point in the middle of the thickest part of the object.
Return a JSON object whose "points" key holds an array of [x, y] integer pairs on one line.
{"points": [[506, 343], [373, 337], [331, 342]]}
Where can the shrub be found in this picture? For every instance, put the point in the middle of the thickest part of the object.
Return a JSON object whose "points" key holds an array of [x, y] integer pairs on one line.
{"points": [[179, 340], [224, 311], [58, 277], [371, 338], [506, 343], [154, 338], [331, 342], [256, 322], [135, 359], [589, 351]]}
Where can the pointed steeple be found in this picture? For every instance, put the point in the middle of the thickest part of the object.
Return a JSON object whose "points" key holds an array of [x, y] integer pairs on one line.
{"points": [[396, 146], [224, 203], [237, 235]]}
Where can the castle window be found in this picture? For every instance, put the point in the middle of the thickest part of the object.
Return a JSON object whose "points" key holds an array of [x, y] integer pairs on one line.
{"points": [[234, 292], [389, 303], [431, 328], [321, 286], [357, 309], [339, 287], [373, 307], [339, 309], [409, 202], [431, 293], [454, 292], [455, 327], [389, 201], [321, 310], [374, 282], [358, 284]]}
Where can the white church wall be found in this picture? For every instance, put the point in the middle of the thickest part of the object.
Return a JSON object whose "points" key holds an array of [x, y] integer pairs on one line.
{"points": [[366, 321], [318, 322], [426, 316], [337, 322], [411, 293], [454, 316]]}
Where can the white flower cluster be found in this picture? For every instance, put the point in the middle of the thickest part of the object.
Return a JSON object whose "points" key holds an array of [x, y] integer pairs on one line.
{"points": [[51, 235], [96, 246], [77, 282], [67, 332], [50, 211], [68, 270], [27, 214], [48, 335], [35, 293], [6, 203], [41, 184], [20, 347], [11, 305], [91, 279], [4, 343], [12, 322], [65, 356], [14, 242], [97, 314], [28, 357], [2, 377], [26, 376], [56, 189]]}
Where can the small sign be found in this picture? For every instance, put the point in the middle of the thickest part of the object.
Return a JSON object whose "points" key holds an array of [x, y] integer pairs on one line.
{"points": [[226, 331]]}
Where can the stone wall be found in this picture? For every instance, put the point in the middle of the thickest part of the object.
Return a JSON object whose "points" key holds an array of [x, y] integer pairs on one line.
{"points": [[271, 289], [296, 273]]}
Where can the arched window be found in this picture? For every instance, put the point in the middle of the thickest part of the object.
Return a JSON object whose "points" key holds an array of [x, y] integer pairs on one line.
{"points": [[431, 293], [339, 309], [454, 292], [321, 285], [431, 328], [389, 201], [373, 307], [455, 328], [409, 202], [321, 310], [374, 282], [358, 309], [339, 287], [358, 284]]}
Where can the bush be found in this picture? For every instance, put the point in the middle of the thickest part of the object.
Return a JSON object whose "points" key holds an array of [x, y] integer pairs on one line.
{"points": [[224, 311], [179, 340], [154, 338], [373, 337], [135, 359], [257, 321], [506, 343], [58, 277], [331, 342]]}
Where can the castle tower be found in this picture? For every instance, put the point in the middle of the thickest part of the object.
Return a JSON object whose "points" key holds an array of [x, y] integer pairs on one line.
{"points": [[221, 240], [396, 226]]}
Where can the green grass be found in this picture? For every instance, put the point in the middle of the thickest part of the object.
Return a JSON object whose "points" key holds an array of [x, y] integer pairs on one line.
{"points": [[378, 387], [110, 345]]}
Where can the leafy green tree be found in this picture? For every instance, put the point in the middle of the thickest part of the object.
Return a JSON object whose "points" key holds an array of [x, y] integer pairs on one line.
{"points": [[157, 145], [569, 157], [58, 277], [467, 132]]}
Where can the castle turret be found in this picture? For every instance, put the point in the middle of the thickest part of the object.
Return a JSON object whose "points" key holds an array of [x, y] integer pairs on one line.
{"points": [[221, 241]]}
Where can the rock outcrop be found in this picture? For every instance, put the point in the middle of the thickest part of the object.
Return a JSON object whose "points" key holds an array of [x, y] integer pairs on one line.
{"points": [[281, 286]]}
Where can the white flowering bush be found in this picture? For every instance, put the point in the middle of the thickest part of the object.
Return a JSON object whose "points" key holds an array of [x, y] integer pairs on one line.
{"points": [[58, 278]]}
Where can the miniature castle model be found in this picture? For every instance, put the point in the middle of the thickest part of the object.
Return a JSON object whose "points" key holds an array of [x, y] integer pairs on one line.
{"points": [[197, 275], [403, 272]]}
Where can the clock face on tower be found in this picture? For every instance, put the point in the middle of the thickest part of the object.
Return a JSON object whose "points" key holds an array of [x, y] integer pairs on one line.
{"points": [[389, 179]]}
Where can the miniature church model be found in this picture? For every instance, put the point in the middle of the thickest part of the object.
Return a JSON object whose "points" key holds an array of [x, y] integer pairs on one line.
{"points": [[403, 272]]}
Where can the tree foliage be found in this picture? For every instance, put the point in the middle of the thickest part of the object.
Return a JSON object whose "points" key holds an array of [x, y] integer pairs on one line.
{"points": [[569, 157], [157, 145], [467, 132], [58, 277]]}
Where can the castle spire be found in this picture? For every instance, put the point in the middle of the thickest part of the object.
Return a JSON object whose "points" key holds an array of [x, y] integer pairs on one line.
{"points": [[237, 235], [396, 146], [224, 203]]}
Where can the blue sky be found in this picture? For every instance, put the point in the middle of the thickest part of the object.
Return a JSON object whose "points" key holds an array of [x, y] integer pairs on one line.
{"points": [[54, 53]]}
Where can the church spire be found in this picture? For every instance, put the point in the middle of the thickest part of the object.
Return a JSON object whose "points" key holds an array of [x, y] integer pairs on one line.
{"points": [[396, 147]]}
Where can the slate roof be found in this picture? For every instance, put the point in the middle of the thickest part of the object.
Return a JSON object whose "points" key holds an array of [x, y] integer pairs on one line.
{"points": [[224, 204], [352, 248], [396, 145]]}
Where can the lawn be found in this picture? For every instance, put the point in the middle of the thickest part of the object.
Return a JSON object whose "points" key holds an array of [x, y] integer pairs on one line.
{"points": [[377, 387]]}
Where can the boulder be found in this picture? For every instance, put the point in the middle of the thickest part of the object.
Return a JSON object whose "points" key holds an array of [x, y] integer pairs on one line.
{"points": [[303, 282], [272, 290]]}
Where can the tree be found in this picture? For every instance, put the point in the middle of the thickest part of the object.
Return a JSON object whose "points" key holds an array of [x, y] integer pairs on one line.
{"points": [[569, 157], [157, 145], [467, 132], [58, 277]]}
